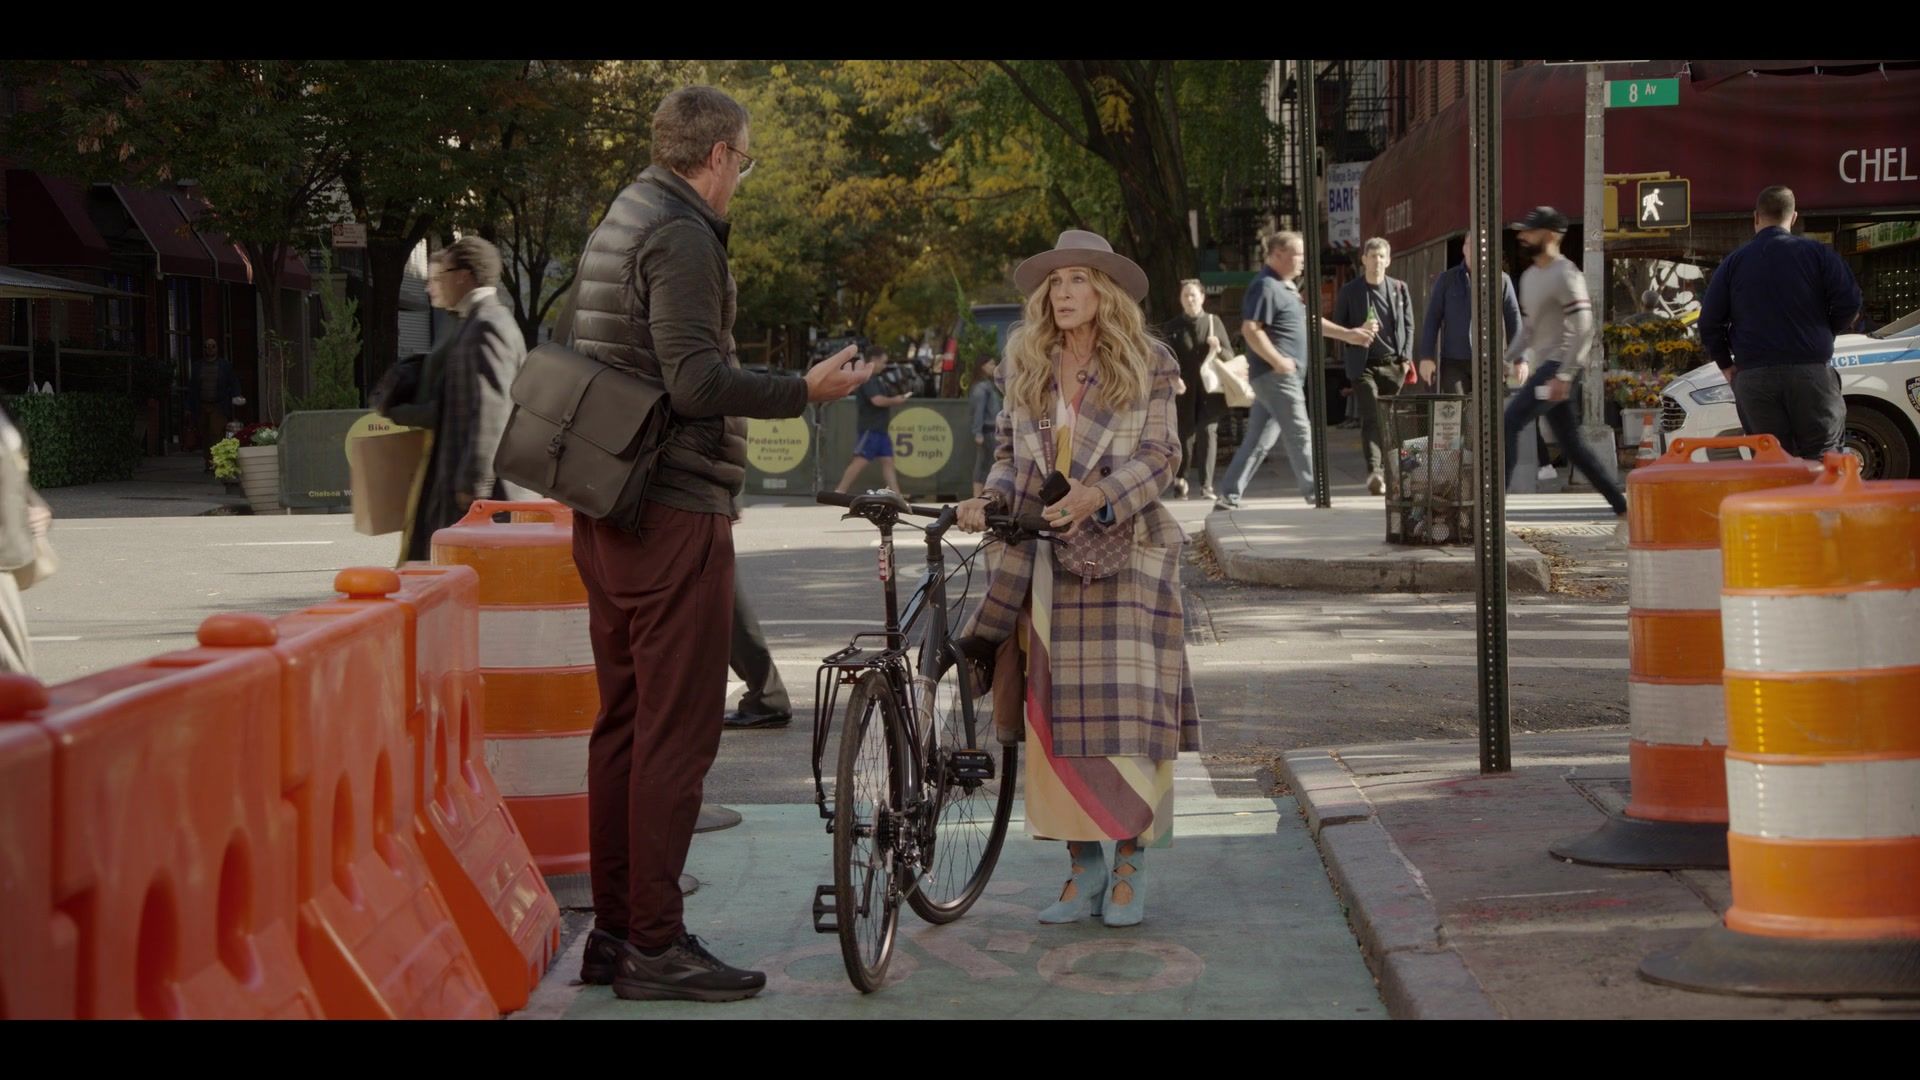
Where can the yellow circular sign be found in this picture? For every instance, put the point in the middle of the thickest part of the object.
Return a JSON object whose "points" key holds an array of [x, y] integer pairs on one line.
{"points": [[777, 446], [922, 442], [371, 424]]}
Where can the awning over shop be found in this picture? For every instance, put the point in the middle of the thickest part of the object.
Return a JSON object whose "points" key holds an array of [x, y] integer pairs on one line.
{"points": [[25, 285], [49, 224], [229, 263], [167, 230], [1844, 143]]}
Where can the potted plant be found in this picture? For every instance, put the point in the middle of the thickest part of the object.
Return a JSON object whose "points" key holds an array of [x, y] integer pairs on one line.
{"points": [[226, 463], [259, 456]]}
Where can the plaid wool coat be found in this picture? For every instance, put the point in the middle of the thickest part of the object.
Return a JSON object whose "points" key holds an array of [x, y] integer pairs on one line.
{"points": [[1118, 649]]}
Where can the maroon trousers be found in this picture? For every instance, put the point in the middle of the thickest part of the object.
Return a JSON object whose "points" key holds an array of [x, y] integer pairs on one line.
{"points": [[660, 611]]}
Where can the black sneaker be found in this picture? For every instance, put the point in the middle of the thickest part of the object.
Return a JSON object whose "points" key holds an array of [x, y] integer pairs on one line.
{"points": [[685, 972], [601, 958], [740, 718]]}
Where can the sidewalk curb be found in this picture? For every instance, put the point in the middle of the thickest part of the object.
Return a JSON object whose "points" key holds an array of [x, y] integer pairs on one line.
{"points": [[1421, 976], [1413, 569]]}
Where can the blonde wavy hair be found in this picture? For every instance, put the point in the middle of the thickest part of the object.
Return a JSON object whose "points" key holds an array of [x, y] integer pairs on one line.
{"points": [[1122, 356]]}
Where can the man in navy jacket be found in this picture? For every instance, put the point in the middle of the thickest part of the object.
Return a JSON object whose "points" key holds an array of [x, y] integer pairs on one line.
{"points": [[1769, 320]]}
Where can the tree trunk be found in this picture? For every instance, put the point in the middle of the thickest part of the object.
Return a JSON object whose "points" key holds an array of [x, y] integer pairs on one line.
{"points": [[380, 325], [267, 262], [1146, 158], [528, 310]]}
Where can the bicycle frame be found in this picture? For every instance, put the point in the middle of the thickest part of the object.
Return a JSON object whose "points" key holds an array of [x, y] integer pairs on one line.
{"points": [[849, 664]]}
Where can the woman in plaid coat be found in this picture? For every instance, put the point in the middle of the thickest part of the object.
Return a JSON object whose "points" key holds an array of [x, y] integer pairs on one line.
{"points": [[1109, 703]]}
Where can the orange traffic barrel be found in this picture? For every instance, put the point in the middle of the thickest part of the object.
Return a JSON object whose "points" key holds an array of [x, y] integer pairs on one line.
{"points": [[1676, 817], [536, 669], [1821, 620]]}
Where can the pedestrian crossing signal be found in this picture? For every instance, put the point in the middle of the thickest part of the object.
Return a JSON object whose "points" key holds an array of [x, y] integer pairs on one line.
{"points": [[1664, 204]]}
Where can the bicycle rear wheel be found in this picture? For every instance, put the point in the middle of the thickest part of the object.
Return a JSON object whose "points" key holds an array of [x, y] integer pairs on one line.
{"points": [[975, 776], [866, 817]]}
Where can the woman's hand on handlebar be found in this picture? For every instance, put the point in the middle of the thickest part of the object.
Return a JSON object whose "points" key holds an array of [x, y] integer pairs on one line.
{"points": [[971, 515]]}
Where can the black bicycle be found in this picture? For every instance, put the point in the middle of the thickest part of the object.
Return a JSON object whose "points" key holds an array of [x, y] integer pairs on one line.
{"points": [[922, 790]]}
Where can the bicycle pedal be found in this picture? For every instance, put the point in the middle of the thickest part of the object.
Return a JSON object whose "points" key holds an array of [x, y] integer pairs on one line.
{"points": [[826, 914], [970, 765]]}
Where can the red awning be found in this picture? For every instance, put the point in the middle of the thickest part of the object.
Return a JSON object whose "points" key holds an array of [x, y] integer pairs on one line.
{"points": [[167, 230], [229, 263], [50, 226], [1844, 143]]}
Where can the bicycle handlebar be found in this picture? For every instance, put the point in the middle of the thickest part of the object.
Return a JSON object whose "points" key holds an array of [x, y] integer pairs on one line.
{"points": [[1030, 523]]}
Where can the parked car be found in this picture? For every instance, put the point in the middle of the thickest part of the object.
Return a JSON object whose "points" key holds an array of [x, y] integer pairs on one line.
{"points": [[1879, 376]]}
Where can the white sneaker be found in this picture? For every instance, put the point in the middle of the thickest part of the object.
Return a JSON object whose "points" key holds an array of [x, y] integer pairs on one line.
{"points": [[1547, 472], [1620, 531], [1376, 484]]}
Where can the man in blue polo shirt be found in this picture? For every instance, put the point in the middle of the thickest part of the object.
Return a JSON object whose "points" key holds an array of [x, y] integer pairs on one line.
{"points": [[1273, 323]]}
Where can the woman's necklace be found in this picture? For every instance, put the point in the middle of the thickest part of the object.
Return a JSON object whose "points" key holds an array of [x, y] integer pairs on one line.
{"points": [[1082, 364]]}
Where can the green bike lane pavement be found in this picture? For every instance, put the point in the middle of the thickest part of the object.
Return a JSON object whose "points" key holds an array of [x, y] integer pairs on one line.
{"points": [[1242, 923]]}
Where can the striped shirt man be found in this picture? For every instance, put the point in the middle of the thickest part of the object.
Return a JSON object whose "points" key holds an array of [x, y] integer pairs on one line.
{"points": [[1557, 318]]}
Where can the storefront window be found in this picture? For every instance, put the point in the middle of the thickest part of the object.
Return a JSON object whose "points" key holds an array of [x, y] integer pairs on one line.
{"points": [[113, 318]]}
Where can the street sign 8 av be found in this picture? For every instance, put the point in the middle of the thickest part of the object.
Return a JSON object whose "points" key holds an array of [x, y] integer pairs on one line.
{"points": [[1640, 93]]}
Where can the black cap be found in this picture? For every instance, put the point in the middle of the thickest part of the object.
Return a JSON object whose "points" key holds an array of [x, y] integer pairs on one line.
{"points": [[1542, 217]]}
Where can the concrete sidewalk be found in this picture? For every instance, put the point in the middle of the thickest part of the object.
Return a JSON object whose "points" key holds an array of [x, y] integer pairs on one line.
{"points": [[1241, 923], [1343, 549], [177, 485], [1272, 539], [1448, 882]]}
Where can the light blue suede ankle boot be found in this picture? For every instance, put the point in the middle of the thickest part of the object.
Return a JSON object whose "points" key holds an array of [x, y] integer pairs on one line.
{"points": [[1088, 884], [1129, 868]]}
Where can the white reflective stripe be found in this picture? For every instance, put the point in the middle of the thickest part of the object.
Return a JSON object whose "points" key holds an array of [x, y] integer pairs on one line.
{"points": [[1686, 579], [539, 766], [1677, 715], [1876, 628], [1838, 800], [535, 637]]}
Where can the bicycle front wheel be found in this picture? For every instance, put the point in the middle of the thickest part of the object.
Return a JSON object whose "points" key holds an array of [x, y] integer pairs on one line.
{"points": [[975, 778], [866, 820]]}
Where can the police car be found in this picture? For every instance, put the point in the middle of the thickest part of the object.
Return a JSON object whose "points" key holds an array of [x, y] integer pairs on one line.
{"points": [[1879, 375]]}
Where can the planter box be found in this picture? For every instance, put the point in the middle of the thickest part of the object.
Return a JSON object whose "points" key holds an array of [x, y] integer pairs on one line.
{"points": [[313, 458], [260, 477]]}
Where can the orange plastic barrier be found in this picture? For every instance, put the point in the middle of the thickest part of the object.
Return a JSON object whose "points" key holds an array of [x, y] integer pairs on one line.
{"points": [[173, 848], [476, 854], [38, 947], [376, 934]]}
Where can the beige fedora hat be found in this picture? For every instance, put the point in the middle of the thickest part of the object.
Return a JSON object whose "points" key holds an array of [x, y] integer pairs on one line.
{"points": [[1077, 247]]}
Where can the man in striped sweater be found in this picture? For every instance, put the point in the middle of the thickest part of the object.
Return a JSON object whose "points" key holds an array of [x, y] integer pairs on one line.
{"points": [[1556, 327]]}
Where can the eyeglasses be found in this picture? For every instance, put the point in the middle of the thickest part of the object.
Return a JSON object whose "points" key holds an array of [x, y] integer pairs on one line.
{"points": [[746, 160]]}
